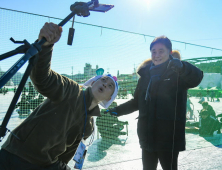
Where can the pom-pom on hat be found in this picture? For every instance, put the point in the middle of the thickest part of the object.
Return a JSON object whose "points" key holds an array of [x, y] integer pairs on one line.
{"points": [[104, 103]]}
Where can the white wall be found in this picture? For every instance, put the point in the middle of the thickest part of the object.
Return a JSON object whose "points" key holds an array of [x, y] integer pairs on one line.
{"points": [[211, 80]]}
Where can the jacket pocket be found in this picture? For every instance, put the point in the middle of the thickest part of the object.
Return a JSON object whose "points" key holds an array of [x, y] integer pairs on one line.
{"points": [[25, 130], [142, 128], [44, 135], [41, 139]]}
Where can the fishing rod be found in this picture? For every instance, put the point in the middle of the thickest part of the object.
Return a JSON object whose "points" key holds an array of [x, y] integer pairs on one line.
{"points": [[31, 52]]}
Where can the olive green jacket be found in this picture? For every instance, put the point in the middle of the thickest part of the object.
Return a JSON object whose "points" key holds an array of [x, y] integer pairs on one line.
{"points": [[54, 129]]}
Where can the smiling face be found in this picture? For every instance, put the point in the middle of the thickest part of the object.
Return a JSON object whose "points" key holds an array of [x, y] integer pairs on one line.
{"points": [[103, 88], [159, 53]]}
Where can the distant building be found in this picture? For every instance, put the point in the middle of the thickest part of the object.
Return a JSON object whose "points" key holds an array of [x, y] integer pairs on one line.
{"points": [[89, 71]]}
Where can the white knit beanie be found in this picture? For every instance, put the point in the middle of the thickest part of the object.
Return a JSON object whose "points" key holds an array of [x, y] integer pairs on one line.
{"points": [[104, 103]]}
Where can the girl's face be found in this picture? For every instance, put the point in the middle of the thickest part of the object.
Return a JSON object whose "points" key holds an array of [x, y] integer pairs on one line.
{"points": [[159, 53], [103, 88]]}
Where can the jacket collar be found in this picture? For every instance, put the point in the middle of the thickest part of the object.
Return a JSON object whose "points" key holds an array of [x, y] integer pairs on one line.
{"points": [[144, 70], [89, 97], [95, 111]]}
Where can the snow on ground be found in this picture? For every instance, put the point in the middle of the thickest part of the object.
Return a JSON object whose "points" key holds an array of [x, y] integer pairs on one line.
{"points": [[103, 153]]}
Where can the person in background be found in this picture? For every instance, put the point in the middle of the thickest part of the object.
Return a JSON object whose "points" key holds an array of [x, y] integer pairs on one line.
{"points": [[218, 96], [24, 106], [4, 90], [160, 97], [202, 99], [15, 89], [109, 126], [208, 124], [31, 92], [212, 95], [36, 102], [209, 108], [189, 109], [208, 95]]}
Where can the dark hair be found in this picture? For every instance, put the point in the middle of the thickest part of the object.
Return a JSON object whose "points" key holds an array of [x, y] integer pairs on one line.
{"points": [[205, 104], [162, 40]]}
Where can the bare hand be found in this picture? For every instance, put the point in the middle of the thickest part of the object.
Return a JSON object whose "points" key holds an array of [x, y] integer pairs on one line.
{"points": [[52, 32]]}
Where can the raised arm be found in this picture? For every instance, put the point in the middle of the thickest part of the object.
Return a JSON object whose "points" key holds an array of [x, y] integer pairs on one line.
{"points": [[49, 83], [128, 107], [189, 74], [131, 105], [46, 81]]}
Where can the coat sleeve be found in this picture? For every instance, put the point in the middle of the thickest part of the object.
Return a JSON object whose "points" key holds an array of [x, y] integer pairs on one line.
{"points": [[49, 83], [191, 75], [131, 105]]}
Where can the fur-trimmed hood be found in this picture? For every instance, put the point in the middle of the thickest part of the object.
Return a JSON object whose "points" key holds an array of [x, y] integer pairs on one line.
{"points": [[143, 65], [175, 54]]}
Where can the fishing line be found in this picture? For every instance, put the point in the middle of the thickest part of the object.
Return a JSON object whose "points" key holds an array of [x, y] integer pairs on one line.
{"points": [[175, 120]]}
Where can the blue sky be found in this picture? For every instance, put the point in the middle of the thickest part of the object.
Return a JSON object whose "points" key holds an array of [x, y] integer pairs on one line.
{"points": [[191, 21]]}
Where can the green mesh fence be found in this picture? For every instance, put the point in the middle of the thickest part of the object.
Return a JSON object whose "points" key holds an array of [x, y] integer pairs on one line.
{"points": [[119, 53]]}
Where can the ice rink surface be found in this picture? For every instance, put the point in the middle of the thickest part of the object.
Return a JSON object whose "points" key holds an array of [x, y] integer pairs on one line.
{"points": [[125, 153]]}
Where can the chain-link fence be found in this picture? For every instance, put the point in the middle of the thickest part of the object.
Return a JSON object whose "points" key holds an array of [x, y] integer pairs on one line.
{"points": [[119, 53]]}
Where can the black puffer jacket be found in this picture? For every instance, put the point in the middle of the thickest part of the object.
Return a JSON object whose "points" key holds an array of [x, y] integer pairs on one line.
{"points": [[161, 121]]}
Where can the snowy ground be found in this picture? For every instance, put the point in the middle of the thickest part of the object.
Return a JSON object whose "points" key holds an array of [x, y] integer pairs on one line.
{"points": [[202, 153]]}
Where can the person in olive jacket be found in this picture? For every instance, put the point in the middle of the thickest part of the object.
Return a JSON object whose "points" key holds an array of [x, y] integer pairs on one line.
{"points": [[160, 97], [49, 137]]}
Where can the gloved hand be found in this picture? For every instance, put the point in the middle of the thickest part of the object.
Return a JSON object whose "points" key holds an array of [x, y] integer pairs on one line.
{"points": [[176, 65], [80, 8], [111, 112]]}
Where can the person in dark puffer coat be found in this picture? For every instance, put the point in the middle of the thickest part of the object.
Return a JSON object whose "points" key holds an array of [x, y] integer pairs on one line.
{"points": [[160, 97]]}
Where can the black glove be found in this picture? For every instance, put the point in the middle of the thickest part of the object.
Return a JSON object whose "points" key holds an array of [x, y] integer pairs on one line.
{"points": [[176, 65], [111, 112], [81, 9]]}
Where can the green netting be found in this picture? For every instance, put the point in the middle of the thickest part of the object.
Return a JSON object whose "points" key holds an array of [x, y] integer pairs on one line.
{"points": [[119, 53]]}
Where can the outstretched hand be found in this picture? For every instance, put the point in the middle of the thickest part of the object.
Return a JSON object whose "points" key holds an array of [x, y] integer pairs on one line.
{"points": [[52, 32]]}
